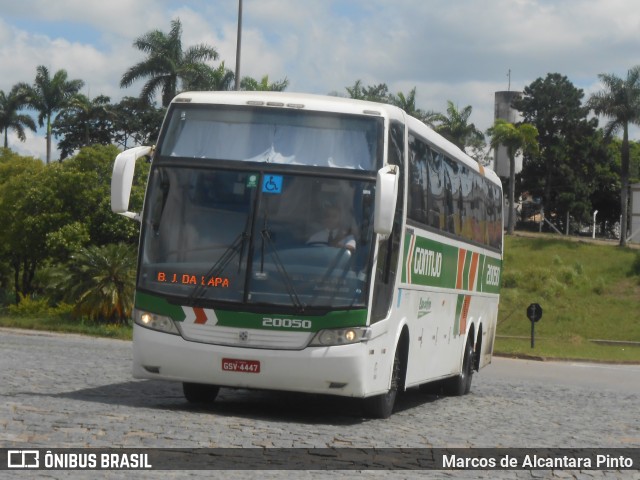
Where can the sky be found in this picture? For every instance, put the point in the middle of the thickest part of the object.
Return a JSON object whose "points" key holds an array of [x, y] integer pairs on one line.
{"points": [[458, 50]]}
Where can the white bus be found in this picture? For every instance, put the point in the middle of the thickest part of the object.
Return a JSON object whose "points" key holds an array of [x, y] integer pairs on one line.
{"points": [[313, 244]]}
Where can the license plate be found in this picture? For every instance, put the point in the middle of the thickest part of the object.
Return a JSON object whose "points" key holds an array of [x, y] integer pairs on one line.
{"points": [[242, 366]]}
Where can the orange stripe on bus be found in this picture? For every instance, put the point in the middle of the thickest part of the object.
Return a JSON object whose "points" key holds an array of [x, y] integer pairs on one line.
{"points": [[201, 317], [473, 271]]}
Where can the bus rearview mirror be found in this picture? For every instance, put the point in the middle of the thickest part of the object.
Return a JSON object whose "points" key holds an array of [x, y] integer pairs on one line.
{"points": [[386, 197], [122, 180]]}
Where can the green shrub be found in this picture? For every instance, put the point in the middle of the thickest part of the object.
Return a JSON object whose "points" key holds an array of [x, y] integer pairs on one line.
{"points": [[600, 286], [579, 268], [38, 307], [552, 288], [568, 275], [537, 279], [511, 279]]}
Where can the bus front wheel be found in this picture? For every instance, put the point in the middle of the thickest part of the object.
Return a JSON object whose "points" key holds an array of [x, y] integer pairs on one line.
{"points": [[381, 406], [200, 393]]}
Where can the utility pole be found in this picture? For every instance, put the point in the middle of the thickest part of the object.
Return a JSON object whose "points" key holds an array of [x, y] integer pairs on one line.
{"points": [[238, 45]]}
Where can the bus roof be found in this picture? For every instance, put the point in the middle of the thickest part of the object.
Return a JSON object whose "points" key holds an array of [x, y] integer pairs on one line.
{"points": [[322, 103], [325, 103]]}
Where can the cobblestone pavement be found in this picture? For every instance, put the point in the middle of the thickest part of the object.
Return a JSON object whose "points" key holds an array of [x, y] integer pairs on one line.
{"points": [[60, 391]]}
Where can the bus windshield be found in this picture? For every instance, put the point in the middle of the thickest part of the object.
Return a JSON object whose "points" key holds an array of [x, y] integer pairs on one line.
{"points": [[251, 238], [273, 136]]}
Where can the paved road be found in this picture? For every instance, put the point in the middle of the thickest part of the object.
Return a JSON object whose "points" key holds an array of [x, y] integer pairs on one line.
{"points": [[61, 391]]}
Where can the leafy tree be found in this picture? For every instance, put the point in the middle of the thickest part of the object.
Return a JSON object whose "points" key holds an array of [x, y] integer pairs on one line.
{"points": [[213, 79], [605, 196], [92, 168], [135, 122], [357, 91], [167, 64], [620, 101], [49, 96], [516, 138], [374, 93], [563, 172], [10, 116], [99, 281], [29, 209], [47, 212], [85, 122], [251, 84], [455, 127]]}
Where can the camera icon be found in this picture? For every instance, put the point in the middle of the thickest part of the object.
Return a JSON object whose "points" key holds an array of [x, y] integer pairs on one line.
{"points": [[23, 459]]}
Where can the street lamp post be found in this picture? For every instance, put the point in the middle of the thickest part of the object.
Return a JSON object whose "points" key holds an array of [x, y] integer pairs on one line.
{"points": [[238, 45]]}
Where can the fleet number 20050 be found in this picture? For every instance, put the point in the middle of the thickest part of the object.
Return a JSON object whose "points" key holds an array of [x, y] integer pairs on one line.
{"points": [[286, 323]]}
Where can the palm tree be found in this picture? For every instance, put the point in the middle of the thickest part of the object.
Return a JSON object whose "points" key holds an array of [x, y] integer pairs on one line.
{"points": [[49, 96], [251, 84], [167, 64], [455, 127], [620, 101], [215, 79], [517, 139], [10, 116], [408, 104], [356, 91], [374, 93], [100, 281]]}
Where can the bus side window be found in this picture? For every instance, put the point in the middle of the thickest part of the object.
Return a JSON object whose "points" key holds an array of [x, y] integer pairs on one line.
{"points": [[418, 181]]}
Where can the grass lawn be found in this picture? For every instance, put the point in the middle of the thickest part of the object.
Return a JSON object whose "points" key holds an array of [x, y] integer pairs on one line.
{"points": [[587, 291]]}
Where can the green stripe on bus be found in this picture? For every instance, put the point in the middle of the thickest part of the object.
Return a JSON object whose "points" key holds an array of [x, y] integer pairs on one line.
{"points": [[335, 319], [489, 281], [430, 263], [158, 305]]}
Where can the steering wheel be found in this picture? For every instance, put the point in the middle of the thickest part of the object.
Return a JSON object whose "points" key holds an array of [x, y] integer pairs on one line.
{"points": [[317, 244]]}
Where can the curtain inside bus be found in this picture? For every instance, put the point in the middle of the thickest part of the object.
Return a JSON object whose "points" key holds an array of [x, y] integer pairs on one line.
{"points": [[282, 137]]}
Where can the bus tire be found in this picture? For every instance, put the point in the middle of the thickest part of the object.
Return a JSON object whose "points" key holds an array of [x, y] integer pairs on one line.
{"points": [[381, 406], [461, 384], [200, 393]]}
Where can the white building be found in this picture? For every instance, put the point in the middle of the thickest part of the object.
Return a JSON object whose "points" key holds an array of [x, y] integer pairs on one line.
{"points": [[504, 110]]}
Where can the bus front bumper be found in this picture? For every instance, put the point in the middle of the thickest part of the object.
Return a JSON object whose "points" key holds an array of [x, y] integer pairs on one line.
{"points": [[340, 370]]}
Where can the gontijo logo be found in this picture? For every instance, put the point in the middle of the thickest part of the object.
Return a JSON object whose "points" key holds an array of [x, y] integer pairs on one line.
{"points": [[427, 262], [423, 261]]}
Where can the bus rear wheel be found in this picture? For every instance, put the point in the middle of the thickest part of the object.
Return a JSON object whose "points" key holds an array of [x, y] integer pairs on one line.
{"points": [[200, 393], [461, 384]]}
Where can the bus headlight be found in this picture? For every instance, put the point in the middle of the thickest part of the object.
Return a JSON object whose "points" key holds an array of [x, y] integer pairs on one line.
{"points": [[155, 322], [340, 336]]}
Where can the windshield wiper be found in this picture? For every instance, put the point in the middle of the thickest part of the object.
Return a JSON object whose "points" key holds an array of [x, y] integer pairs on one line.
{"points": [[236, 248], [288, 283]]}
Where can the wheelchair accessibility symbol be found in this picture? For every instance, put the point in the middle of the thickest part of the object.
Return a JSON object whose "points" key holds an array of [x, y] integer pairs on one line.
{"points": [[272, 184]]}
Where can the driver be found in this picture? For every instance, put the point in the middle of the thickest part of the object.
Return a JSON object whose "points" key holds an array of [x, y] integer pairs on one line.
{"points": [[334, 233]]}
